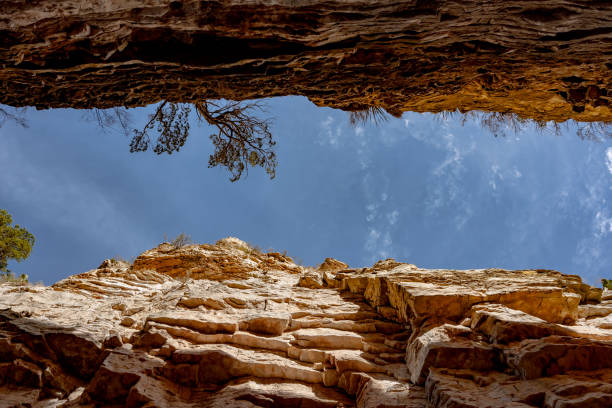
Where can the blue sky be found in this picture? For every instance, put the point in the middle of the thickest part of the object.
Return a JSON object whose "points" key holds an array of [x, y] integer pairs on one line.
{"points": [[420, 188]]}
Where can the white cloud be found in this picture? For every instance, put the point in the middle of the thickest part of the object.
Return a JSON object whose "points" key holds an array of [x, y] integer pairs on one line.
{"points": [[378, 244], [447, 188], [603, 224], [393, 216], [331, 134], [453, 159], [372, 210], [378, 241], [500, 177], [373, 238], [327, 122], [464, 214], [609, 159], [335, 135], [592, 249]]}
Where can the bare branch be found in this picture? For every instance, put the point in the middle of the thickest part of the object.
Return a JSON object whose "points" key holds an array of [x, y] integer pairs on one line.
{"points": [[502, 123], [8, 113], [373, 114], [596, 131], [172, 121], [242, 139], [108, 118]]}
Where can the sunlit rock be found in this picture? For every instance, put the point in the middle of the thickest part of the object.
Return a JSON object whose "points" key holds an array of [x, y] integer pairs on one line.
{"points": [[545, 60], [227, 325]]}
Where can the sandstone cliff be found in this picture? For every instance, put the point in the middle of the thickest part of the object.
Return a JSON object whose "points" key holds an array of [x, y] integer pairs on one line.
{"points": [[547, 60], [228, 326]]}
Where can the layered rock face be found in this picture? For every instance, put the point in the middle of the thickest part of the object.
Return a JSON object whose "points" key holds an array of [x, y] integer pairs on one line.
{"points": [[225, 325], [548, 60]]}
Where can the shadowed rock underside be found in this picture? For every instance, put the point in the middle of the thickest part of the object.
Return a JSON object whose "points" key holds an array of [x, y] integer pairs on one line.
{"points": [[225, 325], [547, 60]]}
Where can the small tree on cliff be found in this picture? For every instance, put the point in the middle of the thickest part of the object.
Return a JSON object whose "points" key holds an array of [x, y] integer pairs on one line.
{"points": [[15, 243], [242, 139]]}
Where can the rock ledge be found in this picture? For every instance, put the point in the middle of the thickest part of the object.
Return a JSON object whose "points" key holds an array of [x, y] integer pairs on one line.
{"points": [[225, 325]]}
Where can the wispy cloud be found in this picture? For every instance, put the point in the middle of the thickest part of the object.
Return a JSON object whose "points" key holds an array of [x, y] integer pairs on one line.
{"points": [[392, 217], [592, 249], [447, 189], [380, 219], [379, 244], [603, 224], [500, 176], [332, 132]]}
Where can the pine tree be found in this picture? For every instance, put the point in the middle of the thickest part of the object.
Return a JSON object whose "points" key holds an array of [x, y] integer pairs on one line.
{"points": [[15, 243]]}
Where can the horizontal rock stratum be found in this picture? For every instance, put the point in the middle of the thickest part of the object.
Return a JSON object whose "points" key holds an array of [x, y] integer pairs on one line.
{"points": [[226, 325], [547, 60]]}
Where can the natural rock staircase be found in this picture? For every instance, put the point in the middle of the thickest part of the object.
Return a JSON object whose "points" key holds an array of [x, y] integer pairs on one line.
{"points": [[227, 326]]}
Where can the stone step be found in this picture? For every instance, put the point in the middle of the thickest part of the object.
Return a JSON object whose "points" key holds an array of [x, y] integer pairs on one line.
{"points": [[464, 388], [379, 390], [447, 346], [256, 392], [327, 338], [359, 326], [219, 363], [203, 323], [238, 338], [558, 355]]}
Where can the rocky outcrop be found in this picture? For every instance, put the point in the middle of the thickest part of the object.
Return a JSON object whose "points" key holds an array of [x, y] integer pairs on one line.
{"points": [[226, 325], [549, 60]]}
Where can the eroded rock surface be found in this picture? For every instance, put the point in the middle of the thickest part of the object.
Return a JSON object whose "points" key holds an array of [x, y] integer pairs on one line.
{"points": [[225, 325], [548, 60]]}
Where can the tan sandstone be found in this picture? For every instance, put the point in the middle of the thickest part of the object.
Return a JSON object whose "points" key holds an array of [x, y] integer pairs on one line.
{"points": [[547, 60], [227, 326]]}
